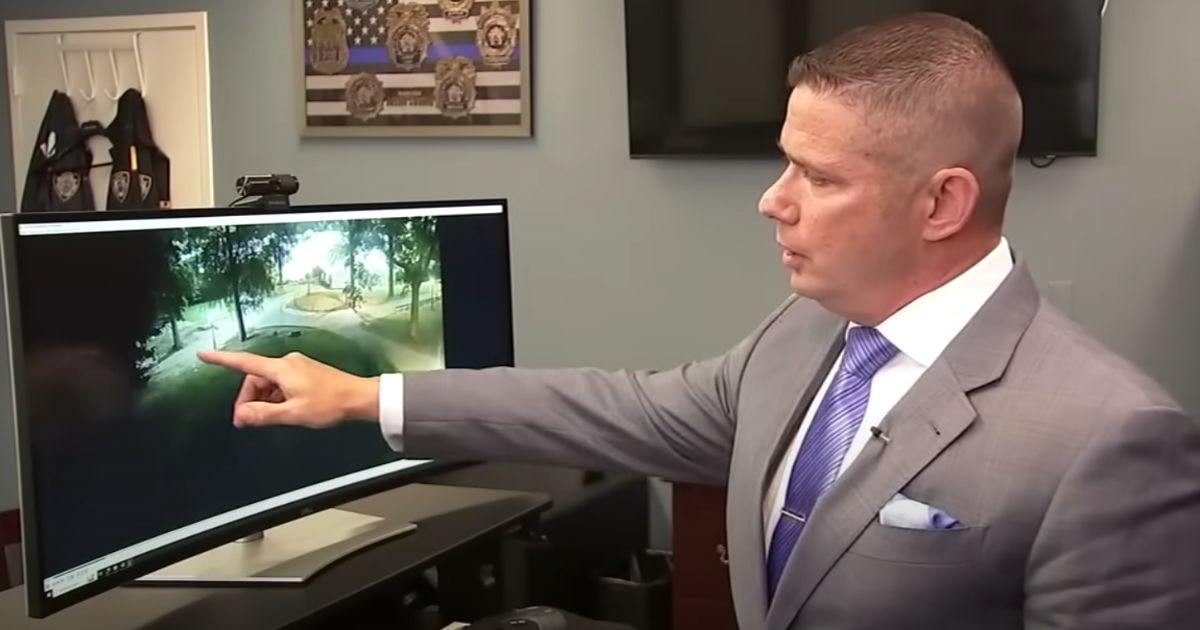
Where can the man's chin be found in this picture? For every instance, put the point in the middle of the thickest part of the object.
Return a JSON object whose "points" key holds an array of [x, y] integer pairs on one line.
{"points": [[801, 285]]}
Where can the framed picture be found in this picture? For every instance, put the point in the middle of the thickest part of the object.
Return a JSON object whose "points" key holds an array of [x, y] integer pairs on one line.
{"points": [[414, 67]]}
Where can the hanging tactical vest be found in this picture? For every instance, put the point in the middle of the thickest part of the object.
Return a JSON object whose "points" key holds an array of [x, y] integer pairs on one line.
{"points": [[59, 171], [57, 179], [141, 175]]}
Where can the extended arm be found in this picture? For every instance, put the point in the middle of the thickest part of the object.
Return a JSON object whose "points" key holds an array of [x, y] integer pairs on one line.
{"points": [[677, 424]]}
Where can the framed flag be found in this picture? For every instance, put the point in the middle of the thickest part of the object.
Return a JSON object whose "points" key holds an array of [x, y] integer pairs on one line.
{"points": [[414, 67]]}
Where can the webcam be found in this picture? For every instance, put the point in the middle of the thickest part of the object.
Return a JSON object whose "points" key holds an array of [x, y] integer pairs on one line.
{"points": [[266, 191], [263, 185]]}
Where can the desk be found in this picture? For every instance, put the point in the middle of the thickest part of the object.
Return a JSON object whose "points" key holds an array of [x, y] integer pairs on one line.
{"points": [[596, 523], [448, 518]]}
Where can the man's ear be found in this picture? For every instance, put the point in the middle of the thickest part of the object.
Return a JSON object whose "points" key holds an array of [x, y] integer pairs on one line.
{"points": [[955, 195]]}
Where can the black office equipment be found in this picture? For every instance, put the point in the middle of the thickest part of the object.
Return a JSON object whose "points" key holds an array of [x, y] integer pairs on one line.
{"points": [[384, 586], [543, 618], [129, 462], [708, 79]]}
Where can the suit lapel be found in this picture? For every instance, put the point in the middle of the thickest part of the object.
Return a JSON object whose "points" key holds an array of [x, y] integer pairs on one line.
{"points": [[929, 418], [932, 415], [800, 356]]}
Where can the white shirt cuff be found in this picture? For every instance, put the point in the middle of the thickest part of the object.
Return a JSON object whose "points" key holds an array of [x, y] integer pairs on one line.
{"points": [[391, 410]]}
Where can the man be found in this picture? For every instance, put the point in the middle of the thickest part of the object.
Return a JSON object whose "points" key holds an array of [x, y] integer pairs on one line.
{"points": [[913, 440]]}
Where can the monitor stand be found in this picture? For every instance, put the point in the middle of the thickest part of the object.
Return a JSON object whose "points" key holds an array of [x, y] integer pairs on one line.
{"points": [[289, 554]]}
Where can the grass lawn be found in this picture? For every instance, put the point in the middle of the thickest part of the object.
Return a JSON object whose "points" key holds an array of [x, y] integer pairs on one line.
{"points": [[217, 466], [396, 328], [200, 313], [203, 393], [328, 300]]}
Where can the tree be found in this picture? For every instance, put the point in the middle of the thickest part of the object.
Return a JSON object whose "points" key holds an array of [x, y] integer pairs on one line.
{"points": [[389, 234], [317, 275], [389, 249], [278, 243], [412, 246], [179, 287], [358, 238], [435, 270], [347, 252], [235, 263]]}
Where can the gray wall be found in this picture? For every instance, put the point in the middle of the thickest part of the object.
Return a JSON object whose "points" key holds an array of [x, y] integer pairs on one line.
{"points": [[647, 263]]}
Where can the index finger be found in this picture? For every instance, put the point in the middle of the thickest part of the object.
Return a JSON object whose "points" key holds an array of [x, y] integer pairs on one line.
{"points": [[243, 362]]}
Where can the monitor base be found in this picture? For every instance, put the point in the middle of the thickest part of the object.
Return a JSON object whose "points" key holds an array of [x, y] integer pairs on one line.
{"points": [[289, 554]]}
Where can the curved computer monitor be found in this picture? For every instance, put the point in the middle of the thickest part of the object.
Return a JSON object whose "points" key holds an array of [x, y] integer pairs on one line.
{"points": [[130, 468]]}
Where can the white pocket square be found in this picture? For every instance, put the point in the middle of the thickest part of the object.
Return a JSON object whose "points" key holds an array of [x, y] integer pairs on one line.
{"points": [[907, 513]]}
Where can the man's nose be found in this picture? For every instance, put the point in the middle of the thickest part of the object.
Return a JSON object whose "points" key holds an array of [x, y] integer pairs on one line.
{"points": [[775, 205]]}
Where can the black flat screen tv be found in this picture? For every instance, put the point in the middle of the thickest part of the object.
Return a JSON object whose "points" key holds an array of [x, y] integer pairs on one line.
{"points": [[708, 79]]}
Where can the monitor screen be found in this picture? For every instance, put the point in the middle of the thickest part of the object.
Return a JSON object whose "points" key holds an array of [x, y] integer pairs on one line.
{"points": [[129, 460], [709, 78]]}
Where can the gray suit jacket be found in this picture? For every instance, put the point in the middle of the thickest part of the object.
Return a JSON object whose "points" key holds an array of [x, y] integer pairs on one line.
{"points": [[1078, 479]]}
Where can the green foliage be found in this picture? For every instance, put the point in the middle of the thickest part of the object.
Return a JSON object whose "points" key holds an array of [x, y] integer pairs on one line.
{"points": [[348, 252], [413, 248], [178, 289], [234, 264], [278, 243], [243, 265]]}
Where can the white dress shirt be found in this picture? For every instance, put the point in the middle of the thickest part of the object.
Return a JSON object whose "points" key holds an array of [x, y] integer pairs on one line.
{"points": [[920, 331], [391, 409]]}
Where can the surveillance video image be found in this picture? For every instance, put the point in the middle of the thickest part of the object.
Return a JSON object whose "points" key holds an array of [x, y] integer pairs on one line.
{"points": [[362, 296], [126, 420]]}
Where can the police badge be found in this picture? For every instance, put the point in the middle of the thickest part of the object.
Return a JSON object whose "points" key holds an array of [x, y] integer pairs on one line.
{"points": [[66, 185], [120, 185], [145, 183], [330, 47], [496, 35], [408, 35], [403, 68], [365, 96], [454, 90], [456, 10], [362, 6]]}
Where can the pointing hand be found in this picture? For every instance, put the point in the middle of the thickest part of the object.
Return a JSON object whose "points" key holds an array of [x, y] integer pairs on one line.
{"points": [[296, 390]]}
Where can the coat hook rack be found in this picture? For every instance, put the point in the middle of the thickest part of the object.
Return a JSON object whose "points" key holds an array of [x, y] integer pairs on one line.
{"points": [[137, 57], [62, 60], [116, 73], [89, 96], [87, 57]]}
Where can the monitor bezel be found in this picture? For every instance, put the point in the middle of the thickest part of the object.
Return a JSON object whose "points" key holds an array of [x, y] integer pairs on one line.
{"points": [[38, 605]]}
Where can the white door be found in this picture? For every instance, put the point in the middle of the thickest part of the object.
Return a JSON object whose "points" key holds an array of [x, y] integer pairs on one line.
{"points": [[94, 60]]}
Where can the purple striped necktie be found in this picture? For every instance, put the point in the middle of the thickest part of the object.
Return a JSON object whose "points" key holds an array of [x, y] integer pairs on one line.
{"points": [[834, 426]]}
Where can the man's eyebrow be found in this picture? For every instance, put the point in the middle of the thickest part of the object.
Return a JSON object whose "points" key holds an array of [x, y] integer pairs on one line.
{"points": [[806, 165], [789, 156]]}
